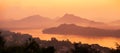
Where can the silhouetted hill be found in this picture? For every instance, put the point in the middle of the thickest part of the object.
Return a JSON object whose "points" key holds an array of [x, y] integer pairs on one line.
{"points": [[35, 18], [72, 29], [35, 21], [72, 19]]}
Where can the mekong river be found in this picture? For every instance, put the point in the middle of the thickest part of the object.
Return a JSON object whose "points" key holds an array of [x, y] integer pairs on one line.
{"points": [[106, 41]]}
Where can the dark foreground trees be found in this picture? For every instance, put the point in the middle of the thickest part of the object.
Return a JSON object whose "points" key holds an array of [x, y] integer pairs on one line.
{"points": [[2, 42], [80, 49], [31, 47], [95, 48], [117, 50], [84, 48]]}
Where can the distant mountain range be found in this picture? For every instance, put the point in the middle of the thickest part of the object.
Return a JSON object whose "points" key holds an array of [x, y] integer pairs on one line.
{"points": [[70, 18], [72, 29], [117, 23], [37, 21]]}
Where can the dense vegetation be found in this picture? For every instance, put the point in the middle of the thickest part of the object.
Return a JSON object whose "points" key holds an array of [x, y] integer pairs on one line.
{"points": [[32, 46]]}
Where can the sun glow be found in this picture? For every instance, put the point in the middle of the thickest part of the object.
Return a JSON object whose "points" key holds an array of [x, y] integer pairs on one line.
{"points": [[98, 10]]}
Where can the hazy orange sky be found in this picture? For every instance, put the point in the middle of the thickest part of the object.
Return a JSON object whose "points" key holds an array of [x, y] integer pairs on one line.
{"points": [[99, 10]]}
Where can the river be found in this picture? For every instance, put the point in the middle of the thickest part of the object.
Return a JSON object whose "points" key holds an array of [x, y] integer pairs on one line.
{"points": [[105, 41]]}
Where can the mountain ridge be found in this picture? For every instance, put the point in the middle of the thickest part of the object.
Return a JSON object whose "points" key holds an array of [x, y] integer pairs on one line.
{"points": [[72, 29], [37, 21]]}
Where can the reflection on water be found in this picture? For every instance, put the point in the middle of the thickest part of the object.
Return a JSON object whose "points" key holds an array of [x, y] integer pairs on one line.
{"points": [[106, 41]]}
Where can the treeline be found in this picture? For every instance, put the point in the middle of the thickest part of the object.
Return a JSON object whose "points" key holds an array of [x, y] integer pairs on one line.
{"points": [[33, 46], [85, 48]]}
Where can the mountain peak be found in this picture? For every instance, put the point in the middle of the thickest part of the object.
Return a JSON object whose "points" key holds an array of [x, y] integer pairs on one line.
{"points": [[35, 16], [68, 15], [70, 18]]}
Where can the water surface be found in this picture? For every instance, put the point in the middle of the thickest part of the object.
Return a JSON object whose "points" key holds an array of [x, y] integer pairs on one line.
{"points": [[105, 41]]}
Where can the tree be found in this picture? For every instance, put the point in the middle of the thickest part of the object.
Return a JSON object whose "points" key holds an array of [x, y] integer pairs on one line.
{"points": [[80, 49], [50, 49], [32, 47], [117, 48], [2, 42]]}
